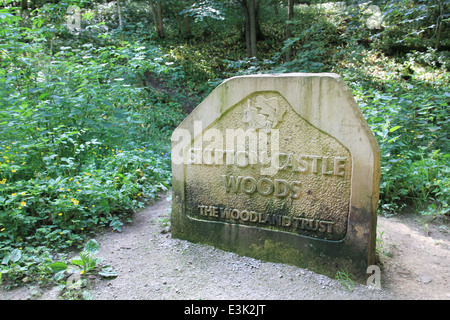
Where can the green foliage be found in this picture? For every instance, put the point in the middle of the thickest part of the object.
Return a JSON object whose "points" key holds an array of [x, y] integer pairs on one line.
{"points": [[58, 206], [315, 37], [409, 117], [82, 145], [413, 25], [77, 268], [87, 262], [84, 133], [22, 265], [205, 9], [345, 279]]}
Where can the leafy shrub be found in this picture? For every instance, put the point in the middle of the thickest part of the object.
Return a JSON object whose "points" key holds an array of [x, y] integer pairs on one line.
{"points": [[81, 145], [410, 121]]}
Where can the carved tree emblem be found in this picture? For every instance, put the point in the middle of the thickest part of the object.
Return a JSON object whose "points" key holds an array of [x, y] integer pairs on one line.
{"points": [[262, 113]]}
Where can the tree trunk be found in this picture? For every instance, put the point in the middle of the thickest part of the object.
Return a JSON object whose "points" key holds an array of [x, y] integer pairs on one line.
{"points": [[160, 21], [156, 13], [187, 26], [252, 22], [259, 34], [275, 8], [155, 22], [288, 28], [23, 11], [177, 17], [247, 28], [439, 24], [252, 29], [119, 13], [438, 37]]}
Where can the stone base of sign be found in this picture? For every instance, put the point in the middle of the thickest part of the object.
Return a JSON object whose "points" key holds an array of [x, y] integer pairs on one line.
{"points": [[310, 200]]}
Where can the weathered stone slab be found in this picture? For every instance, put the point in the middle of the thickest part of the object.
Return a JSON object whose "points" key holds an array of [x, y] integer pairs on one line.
{"points": [[282, 168]]}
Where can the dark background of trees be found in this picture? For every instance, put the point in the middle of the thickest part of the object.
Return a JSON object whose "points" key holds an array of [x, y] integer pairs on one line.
{"points": [[408, 24]]}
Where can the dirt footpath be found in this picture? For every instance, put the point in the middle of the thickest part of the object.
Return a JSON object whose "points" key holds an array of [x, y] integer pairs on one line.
{"points": [[151, 265], [415, 257]]}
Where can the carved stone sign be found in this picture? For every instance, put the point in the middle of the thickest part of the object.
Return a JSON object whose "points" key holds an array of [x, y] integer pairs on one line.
{"points": [[282, 168]]}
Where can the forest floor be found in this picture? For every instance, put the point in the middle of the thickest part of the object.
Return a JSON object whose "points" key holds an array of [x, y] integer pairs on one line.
{"points": [[151, 265]]}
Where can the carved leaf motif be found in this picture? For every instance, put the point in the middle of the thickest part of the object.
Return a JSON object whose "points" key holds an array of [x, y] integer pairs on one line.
{"points": [[263, 113], [271, 108], [253, 118]]}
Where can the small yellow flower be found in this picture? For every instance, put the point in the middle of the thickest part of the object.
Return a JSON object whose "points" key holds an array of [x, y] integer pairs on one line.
{"points": [[2, 230], [13, 194], [20, 208], [60, 214], [82, 272], [75, 202], [13, 170], [23, 204]]}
